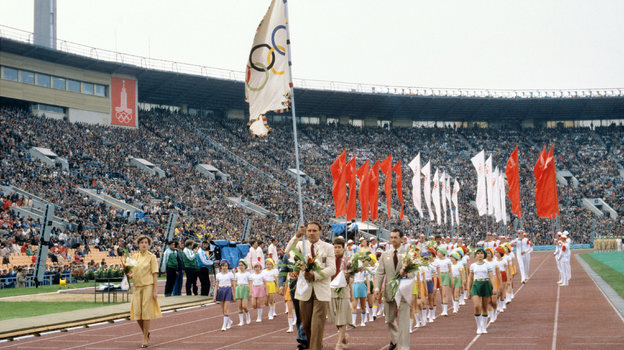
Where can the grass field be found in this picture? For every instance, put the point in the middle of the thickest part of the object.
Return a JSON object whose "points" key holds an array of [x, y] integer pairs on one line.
{"points": [[21, 309], [11, 292], [614, 278]]}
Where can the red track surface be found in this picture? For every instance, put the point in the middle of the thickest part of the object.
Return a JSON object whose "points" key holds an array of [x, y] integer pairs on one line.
{"points": [[542, 316]]}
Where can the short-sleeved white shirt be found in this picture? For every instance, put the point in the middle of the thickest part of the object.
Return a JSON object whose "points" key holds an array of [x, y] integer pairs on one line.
{"points": [[502, 264], [442, 264], [242, 277], [481, 271], [270, 275], [257, 279], [359, 277], [225, 279], [455, 269]]}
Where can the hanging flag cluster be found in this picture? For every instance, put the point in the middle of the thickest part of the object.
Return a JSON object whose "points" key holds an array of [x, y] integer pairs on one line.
{"points": [[267, 78], [344, 173], [442, 196], [546, 197], [490, 199]]}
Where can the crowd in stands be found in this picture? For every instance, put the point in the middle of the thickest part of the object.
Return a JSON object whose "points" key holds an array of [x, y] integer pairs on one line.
{"points": [[98, 157]]}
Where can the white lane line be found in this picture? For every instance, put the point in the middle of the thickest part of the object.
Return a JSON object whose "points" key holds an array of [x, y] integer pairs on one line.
{"points": [[246, 340], [554, 342], [516, 293]]}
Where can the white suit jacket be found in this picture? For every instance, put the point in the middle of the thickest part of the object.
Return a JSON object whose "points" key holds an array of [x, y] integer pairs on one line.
{"points": [[326, 259]]}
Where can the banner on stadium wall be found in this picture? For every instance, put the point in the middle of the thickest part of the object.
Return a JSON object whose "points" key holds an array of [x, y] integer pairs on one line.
{"points": [[123, 96]]}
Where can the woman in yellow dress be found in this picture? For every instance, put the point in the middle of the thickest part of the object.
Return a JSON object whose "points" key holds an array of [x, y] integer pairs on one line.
{"points": [[144, 306]]}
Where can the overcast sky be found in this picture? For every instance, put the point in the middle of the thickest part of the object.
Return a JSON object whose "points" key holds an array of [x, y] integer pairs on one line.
{"points": [[545, 44]]}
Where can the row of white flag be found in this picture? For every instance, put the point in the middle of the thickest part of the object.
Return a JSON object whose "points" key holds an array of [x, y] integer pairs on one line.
{"points": [[491, 193], [441, 194]]}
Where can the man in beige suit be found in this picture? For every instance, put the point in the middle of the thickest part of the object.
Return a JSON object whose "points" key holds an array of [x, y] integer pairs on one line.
{"points": [[314, 301], [390, 264]]}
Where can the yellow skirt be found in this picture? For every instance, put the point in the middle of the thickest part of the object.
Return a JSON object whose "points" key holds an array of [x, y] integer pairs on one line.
{"points": [[287, 292], [271, 288], [512, 270], [143, 306], [415, 289]]}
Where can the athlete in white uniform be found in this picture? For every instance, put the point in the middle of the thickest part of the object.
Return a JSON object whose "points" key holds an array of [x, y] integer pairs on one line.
{"points": [[566, 253]]}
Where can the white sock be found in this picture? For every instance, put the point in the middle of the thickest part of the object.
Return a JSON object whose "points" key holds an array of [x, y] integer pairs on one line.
{"points": [[240, 318], [248, 316], [294, 317], [455, 305], [259, 313], [444, 308], [411, 323], [423, 315], [286, 304], [374, 310], [353, 318], [478, 320], [363, 317]]}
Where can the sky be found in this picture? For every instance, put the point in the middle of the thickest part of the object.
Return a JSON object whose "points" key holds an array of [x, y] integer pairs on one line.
{"points": [[481, 44]]}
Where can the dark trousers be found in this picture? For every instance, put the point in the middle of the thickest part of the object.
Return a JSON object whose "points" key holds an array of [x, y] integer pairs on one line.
{"points": [[177, 286], [204, 279], [301, 336], [172, 274], [191, 281]]}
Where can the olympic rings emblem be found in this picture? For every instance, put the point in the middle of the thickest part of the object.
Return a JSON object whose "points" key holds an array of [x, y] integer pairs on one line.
{"points": [[123, 117], [270, 58]]}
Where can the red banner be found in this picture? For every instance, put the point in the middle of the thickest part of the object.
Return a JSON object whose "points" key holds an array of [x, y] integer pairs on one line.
{"points": [[512, 170], [123, 96]]}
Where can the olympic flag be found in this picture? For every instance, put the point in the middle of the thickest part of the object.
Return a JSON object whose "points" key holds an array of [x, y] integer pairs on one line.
{"points": [[267, 82]]}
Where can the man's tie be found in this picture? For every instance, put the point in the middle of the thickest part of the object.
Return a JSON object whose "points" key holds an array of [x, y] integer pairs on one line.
{"points": [[395, 259], [312, 251]]}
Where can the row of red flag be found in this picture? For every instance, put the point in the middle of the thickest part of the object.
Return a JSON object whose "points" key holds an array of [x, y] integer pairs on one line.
{"points": [[344, 173], [546, 198]]}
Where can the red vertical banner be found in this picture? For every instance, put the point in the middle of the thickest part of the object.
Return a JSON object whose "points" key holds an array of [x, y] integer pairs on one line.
{"points": [[399, 184], [362, 174], [512, 170], [124, 102], [373, 191], [352, 202], [339, 190]]}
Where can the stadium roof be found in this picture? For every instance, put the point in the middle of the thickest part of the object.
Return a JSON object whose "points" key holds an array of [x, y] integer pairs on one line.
{"points": [[174, 88]]}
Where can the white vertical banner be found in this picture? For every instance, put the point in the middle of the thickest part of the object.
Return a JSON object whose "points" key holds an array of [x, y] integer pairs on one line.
{"points": [[435, 196], [426, 171], [447, 192], [443, 194], [489, 189], [478, 161], [455, 193], [415, 166], [496, 195]]}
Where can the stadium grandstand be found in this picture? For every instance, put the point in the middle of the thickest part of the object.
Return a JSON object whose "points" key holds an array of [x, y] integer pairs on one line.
{"points": [[114, 141]]}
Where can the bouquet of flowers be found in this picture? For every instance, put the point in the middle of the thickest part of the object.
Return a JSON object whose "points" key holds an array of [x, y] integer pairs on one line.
{"points": [[355, 265], [128, 264], [410, 263], [307, 264], [430, 244]]}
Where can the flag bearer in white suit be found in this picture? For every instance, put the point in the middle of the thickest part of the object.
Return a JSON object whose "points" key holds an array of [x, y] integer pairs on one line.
{"points": [[557, 255], [565, 258], [314, 300], [521, 249], [390, 264]]}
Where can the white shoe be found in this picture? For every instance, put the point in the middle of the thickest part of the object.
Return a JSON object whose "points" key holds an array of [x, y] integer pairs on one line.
{"points": [[258, 320], [430, 320], [223, 329], [363, 324], [444, 314], [290, 329], [240, 324]]}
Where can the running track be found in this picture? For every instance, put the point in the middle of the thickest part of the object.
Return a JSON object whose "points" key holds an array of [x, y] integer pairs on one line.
{"points": [[542, 316]]}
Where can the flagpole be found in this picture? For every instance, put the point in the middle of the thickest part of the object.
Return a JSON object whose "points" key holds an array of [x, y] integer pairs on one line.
{"points": [[294, 119]]}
